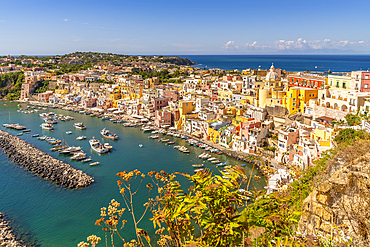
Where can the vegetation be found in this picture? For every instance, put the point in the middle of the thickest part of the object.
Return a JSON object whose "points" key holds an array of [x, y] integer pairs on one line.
{"points": [[353, 120], [42, 87], [11, 85], [350, 136], [213, 212]]}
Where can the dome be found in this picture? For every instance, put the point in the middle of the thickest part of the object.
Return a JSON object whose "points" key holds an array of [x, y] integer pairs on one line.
{"points": [[272, 75]]}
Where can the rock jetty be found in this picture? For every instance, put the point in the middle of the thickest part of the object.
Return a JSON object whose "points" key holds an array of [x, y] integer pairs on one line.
{"points": [[42, 164], [7, 237]]}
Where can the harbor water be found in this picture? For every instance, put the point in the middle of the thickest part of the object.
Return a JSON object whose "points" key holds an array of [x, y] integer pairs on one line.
{"points": [[57, 216]]}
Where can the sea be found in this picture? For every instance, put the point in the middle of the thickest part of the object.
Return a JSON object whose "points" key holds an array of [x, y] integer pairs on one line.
{"points": [[314, 63], [46, 214]]}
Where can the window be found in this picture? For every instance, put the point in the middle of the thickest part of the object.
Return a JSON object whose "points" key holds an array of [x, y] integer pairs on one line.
{"points": [[366, 86], [310, 95], [366, 77], [293, 99], [337, 83], [344, 85], [293, 109], [293, 105]]}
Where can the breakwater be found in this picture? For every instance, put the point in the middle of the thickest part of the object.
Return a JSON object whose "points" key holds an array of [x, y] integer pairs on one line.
{"points": [[7, 237], [42, 164]]}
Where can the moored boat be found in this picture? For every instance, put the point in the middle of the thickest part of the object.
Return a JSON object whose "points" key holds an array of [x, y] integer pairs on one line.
{"points": [[35, 135], [107, 134], [81, 138], [80, 126], [47, 126], [97, 146], [94, 163]]}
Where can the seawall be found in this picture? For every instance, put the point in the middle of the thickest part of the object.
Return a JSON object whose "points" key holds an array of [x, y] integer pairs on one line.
{"points": [[42, 164], [7, 237]]}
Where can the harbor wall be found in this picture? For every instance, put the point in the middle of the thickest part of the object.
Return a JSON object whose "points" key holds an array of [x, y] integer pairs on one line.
{"points": [[7, 237], [42, 164]]}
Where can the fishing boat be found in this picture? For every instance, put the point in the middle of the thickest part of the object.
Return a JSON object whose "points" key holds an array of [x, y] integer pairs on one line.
{"points": [[107, 145], [68, 132], [97, 146], [86, 160], [105, 133], [35, 135], [47, 126], [94, 163], [81, 138], [80, 126], [69, 150]]}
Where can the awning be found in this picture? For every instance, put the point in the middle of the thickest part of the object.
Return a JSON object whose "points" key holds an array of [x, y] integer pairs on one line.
{"points": [[196, 134]]}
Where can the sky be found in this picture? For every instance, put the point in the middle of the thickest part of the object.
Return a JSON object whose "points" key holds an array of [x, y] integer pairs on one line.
{"points": [[178, 27]]}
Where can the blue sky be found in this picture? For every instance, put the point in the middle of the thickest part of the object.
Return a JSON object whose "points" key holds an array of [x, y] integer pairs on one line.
{"points": [[151, 27]]}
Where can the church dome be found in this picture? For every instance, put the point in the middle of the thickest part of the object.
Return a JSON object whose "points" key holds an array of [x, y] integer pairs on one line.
{"points": [[272, 75]]}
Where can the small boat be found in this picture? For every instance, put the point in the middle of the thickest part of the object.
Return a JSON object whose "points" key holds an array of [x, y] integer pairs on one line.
{"points": [[55, 142], [164, 140], [198, 170], [28, 130], [215, 161], [107, 145], [81, 138], [78, 156], [221, 164], [68, 132], [197, 165], [97, 146], [141, 145], [86, 160], [105, 133], [19, 134], [94, 163], [80, 126], [47, 126], [153, 136], [35, 135], [41, 138], [170, 143]]}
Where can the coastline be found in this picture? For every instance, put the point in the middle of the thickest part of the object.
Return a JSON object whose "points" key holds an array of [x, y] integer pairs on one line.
{"points": [[258, 161], [7, 237]]}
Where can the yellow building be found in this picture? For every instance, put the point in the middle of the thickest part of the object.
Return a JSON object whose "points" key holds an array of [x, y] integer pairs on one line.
{"points": [[48, 76], [115, 95], [340, 82], [296, 98], [186, 109], [322, 135], [214, 135], [61, 91], [224, 95]]}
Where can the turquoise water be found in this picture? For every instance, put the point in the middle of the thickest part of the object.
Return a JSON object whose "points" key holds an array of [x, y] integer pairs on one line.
{"points": [[56, 216], [337, 63]]}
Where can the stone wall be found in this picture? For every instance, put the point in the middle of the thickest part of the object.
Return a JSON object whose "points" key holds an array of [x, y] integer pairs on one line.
{"points": [[340, 204], [7, 237], [42, 164], [319, 111]]}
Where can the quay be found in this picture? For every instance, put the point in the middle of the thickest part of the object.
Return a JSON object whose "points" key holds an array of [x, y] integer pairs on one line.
{"points": [[7, 237], [42, 164]]}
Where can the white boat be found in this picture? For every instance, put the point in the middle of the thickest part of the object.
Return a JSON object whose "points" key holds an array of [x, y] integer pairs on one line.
{"points": [[107, 134], [94, 163], [97, 146], [68, 132], [80, 126], [70, 150], [86, 160], [81, 138], [46, 126], [141, 145], [78, 156]]}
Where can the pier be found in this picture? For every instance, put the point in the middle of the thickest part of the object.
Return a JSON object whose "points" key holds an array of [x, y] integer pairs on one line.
{"points": [[42, 164]]}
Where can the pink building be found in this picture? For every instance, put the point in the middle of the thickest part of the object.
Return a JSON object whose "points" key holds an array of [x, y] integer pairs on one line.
{"points": [[163, 118], [44, 97], [172, 94], [158, 103], [90, 102]]}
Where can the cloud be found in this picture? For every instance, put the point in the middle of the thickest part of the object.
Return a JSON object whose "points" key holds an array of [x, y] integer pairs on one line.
{"points": [[2, 21], [299, 45], [65, 19]]}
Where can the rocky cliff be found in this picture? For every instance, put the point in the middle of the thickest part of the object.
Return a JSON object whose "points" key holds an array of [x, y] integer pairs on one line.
{"points": [[339, 205]]}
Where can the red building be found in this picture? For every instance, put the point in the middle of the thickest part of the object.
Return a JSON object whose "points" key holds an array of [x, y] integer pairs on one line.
{"points": [[365, 82], [307, 81], [172, 94]]}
